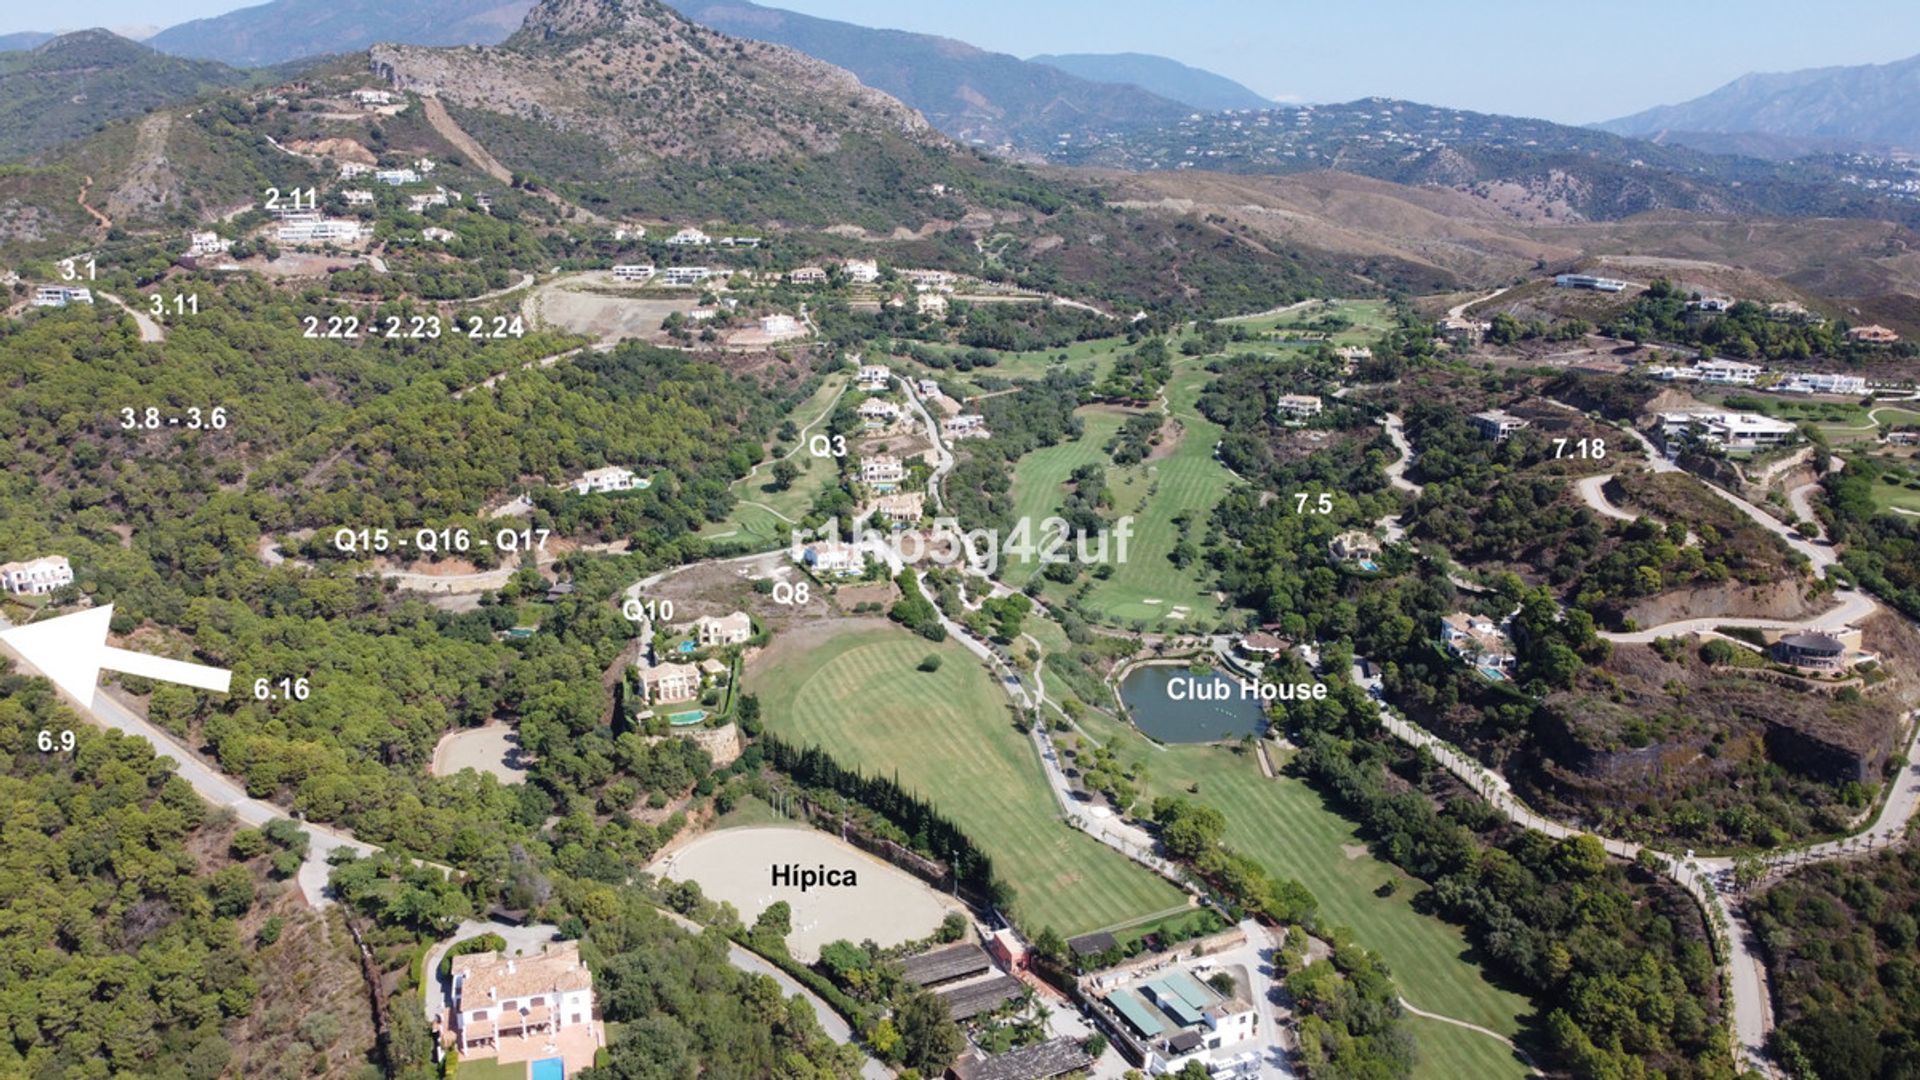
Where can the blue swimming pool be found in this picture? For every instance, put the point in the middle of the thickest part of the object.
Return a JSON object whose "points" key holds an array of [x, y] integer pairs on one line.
{"points": [[549, 1069]]}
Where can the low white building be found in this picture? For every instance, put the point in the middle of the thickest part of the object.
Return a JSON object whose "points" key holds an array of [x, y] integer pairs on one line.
{"points": [[966, 426], [1727, 372], [61, 295], [682, 276], [689, 237], [1499, 425], [630, 232], [358, 198], [1588, 281], [861, 271], [439, 235], [439, 196], [780, 325], [351, 169], [395, 177], [1734, 432], [808, 275], [207, 243], [875, 377], [633, 272], [608, 479], [1823, 383], [36, 577], [929, 388], [320, 231], [372, 97], [1297, 408], [834, 558]]}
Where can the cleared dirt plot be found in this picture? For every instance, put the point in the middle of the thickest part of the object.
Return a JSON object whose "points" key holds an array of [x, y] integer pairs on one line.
{"points": [[494, 749], [593, 304], [885, 903]]}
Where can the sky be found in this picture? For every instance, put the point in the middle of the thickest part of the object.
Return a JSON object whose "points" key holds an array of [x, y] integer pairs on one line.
{"points": [[1570, 62]]}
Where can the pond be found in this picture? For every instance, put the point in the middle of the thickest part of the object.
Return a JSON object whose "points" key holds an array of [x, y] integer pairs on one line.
{"points": [[1174, 705]]}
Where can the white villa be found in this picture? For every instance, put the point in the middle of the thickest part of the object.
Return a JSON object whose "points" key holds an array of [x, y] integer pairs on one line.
{"points": [[634, 272], [1478, 641], [396, 177], [351, 169], [665, 684], [882, 471], [966, 426], [875, 377], [207, 243], [600, 481], [1351, 356], [1297, 408], [901, 506], [1499, 425], [808, 275], [61, 296], [689, 237], [520, 1007], [684, 275], [722, 629], [372, 97], [1354, 546], [1823, 383], [1735, 432], [861, 271], [877, 413], [320, 231], [36, 577], [834, 557], [358, 197], [930, 304], [781, 325], [732, 629], [929, 388], [1727, 372]]}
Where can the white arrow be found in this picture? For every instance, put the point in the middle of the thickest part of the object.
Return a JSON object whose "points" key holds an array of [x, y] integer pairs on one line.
{"points": [[72, 649]]}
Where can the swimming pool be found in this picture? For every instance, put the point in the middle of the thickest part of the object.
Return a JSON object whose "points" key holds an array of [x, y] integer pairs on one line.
{"points": [[685, 719], [549, 1069], [1369, 565]]}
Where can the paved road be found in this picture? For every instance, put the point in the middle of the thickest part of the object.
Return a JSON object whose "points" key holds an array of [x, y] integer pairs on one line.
{"points": [[150, 331], [1852, 607], [942, 456], [1590, 489], [213, 785]]}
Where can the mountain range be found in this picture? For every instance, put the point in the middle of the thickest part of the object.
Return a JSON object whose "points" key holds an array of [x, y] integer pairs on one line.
{"points": [[973, 95], [1868, 105], [1171, 79], [62, 89], [283, 30]]}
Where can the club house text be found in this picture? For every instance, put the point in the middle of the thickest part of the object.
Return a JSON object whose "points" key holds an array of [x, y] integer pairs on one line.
{"points": [[1207, 688], [794, 875]]}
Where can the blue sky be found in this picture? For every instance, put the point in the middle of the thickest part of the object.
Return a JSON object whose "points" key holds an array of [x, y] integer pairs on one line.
{"points": [[1571, 62]]}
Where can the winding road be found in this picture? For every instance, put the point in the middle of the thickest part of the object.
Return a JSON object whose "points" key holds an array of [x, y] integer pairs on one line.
{"points": [[150, 330]]}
